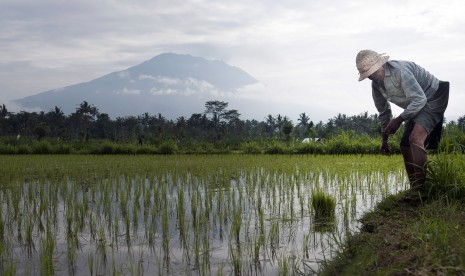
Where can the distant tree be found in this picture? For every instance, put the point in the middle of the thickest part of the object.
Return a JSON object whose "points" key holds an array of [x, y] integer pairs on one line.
{"points": [[103, 127], [270, 125], [41, 131], [197, 124], [231, 115], [3, 111], [461, 123], [287, 130], [220, 116], [217, 110], [83, 118], [56, 120], [304, 125], [279, 123], [23, 122], [3, 120], [144, 121], [127, 128], [318, 130], [180, 129]]}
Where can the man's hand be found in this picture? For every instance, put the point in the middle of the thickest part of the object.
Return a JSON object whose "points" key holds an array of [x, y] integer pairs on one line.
{"points": [[391, 128], [393, 125]]}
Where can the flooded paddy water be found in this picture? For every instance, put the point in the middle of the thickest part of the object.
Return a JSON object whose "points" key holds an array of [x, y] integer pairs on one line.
{"points": [[182, 214]]}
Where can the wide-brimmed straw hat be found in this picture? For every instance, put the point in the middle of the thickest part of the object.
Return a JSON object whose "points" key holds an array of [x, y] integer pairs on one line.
{"points": [[368, 62]]}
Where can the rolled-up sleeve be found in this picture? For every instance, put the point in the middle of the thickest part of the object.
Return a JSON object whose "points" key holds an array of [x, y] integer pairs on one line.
{"points": [[414, 93], [382, 105]]}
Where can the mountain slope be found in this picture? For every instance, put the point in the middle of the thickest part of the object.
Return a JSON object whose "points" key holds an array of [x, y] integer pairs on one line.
{"points": [[171, 84]]}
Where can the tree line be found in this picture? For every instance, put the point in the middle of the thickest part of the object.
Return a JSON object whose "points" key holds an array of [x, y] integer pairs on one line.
{"points": [[216, 124]]}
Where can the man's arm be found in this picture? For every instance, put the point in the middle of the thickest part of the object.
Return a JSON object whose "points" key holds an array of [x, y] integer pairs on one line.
{"points": [[382, 105], [385, 115]]}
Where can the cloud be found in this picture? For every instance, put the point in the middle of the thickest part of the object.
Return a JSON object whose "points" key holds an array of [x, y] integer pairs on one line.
{"points": [[300, 51], [185, 87], [127, 91], [123, 74]]}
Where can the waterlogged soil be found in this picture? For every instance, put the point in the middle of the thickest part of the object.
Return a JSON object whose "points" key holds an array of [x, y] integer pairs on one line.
{"points": [[406, 235]]}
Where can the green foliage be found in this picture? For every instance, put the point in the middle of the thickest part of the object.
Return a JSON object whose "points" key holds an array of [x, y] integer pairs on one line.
{"points": [[168, 147], [86, 129], [105, 148], [310, 148], [275, 147], [251, 147], [287, 130], [126, 149], [146, 150], [323, 204], [41, 131], [109, 147], [344, 142], [42, 147], [7, 149], [453, 140], [24, 149], [446, 175], [62, 149]]}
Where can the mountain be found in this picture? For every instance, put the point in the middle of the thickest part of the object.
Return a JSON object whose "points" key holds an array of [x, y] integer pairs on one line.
{"points": [[171, 84]]}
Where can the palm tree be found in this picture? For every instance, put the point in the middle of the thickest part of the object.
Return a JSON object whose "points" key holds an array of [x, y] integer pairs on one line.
{"points": [[84, 116], [461, 123], [3, 114], [270, 125], [3, 111], [303, 124], [287, 130], [279, 123], [56, 120], [181, 124], [103, 127]]}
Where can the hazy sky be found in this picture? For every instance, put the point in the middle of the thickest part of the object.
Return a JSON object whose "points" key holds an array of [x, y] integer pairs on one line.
{"points": [[300, 51]]}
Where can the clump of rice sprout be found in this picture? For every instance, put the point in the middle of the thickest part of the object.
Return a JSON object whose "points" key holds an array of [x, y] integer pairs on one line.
{"points": [[323, 204]]}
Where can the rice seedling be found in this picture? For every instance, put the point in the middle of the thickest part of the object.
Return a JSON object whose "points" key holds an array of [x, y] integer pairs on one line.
{"points": [[323, 204]]}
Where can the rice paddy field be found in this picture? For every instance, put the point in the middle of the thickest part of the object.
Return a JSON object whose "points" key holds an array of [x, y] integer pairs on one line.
{"points": [[184, 214]]}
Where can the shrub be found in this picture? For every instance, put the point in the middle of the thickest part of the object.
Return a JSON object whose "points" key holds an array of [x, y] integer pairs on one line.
{"points": [[310, 148], [24, 149], [125, 149], [146, 150], [275, 148], [168, 147], [251, 148], [7, 149], [42, 147], [105, 148], [208, 148], [62, 149]]}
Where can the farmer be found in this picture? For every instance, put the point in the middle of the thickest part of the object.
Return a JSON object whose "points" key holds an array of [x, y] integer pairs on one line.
{"points": [[423, 97]]}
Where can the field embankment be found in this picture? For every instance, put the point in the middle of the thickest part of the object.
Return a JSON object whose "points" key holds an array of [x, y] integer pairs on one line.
{"points": [[409, 234]]}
